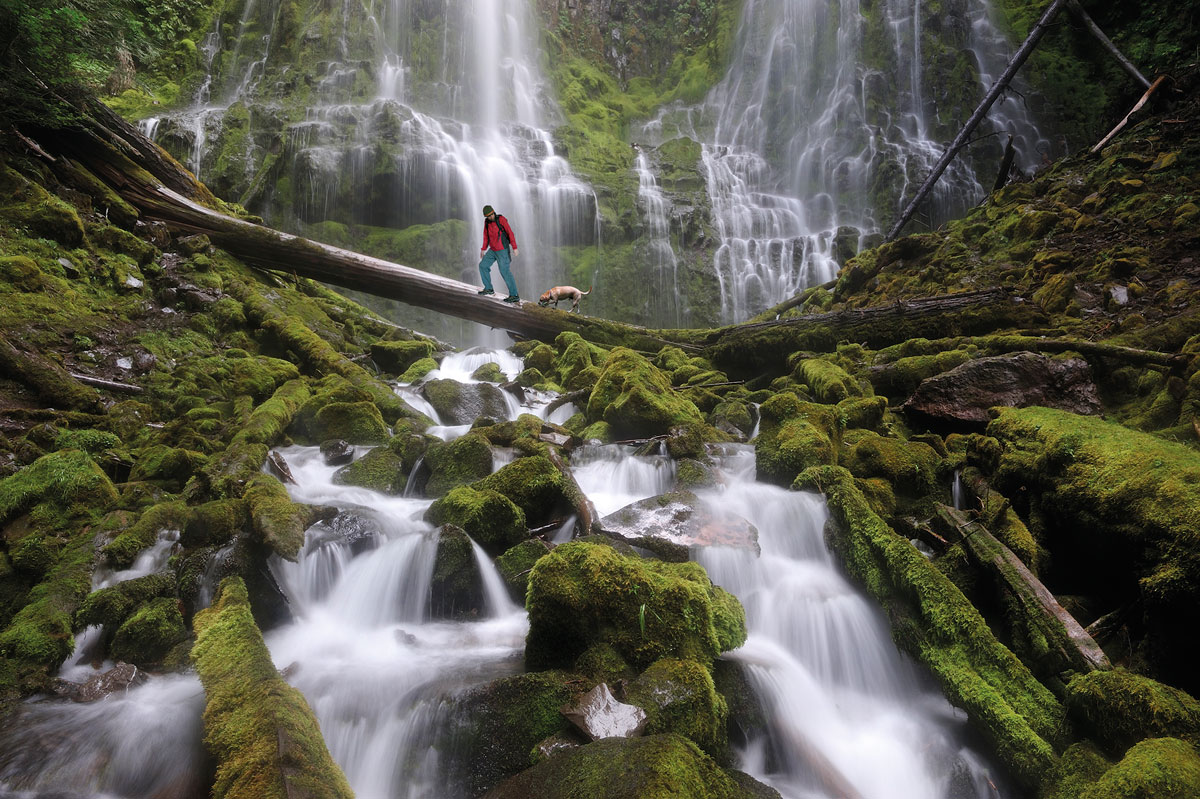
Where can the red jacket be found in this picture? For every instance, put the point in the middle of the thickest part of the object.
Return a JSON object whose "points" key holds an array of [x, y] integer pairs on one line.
{"points": [[491, 234]]}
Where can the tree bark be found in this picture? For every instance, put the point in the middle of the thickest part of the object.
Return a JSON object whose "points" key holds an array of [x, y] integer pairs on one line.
{"points": [[1089, 23]]}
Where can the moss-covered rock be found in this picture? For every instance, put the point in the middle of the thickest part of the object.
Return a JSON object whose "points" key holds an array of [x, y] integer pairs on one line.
{"points": [[1118, 708], [581, 594], [455, 588], [463, 403], [793, 435], [381, 469], [124, 547], [489, 517], [265, 740], [827, 382], [679, 696], [1159, 768], [636, 399], [278, 523], [215, 523], [459, 462], [356, 422], [535, 485], [397, 357], [169, 467], [150, 633], [910, 466], [517, 562], [68, 477], [113, 605], [654, 767]]}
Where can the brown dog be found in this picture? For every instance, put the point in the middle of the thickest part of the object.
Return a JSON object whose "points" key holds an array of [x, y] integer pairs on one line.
{"points": [[559, 293]]}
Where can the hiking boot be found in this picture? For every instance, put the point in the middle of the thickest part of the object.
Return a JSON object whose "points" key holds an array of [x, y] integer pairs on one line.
{"points": [[512, 298], [485, 292]]}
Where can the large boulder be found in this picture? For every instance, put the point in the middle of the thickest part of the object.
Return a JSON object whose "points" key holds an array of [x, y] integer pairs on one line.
{"points": [[792, 436], [455, 463], [584, 593], [1118, 708], [961, 397], [455, 587], [536, 485], [679, 696], [669, 525], [489, 517], [636, 399], [463, 403]]}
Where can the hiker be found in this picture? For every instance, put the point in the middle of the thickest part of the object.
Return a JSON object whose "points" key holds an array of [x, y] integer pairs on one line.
{"points": [[497, 239]]}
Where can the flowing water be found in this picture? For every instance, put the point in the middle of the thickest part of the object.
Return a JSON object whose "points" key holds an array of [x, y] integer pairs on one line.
{"points": [[822, 127], [846, 711]]}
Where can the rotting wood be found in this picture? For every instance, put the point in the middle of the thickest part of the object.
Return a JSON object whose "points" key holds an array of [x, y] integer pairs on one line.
{"points": [[1136, 107], [960, 141], [1078, 649]]}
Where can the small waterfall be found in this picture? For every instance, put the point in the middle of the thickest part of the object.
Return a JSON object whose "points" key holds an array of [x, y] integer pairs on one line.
{"points": [[495, 593], [662, 255], [151, 560], [957, 491], [212, 576], [612, 478], [842, 702]]}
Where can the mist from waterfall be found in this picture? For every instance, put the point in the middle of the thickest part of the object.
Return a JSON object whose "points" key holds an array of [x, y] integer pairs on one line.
{"points": [[822, 127]]}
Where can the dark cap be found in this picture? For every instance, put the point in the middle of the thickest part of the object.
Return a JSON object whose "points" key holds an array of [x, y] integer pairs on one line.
{"points": [[487, 209]]}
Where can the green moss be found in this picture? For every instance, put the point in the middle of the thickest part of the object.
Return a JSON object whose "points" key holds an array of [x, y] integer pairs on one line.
{"points": [[1118, 709], [827, 381], [215, 523], [397, 357], [417, 370], [679, 696], [269, 420], [355, 422], [169, 467], [535, 485], [150, 633], [381, 469], [1160, 768], [582, 594], [92, 442], [636, 399], [262, 734], [278, 522], [487, 516], [455, 587], [113, 605], [654, 767], [67, 476], [123, 549], [459, 462], [792, 436], [933, 621], [603, 663], [910, 466], [1081, 765], [516, 563]]}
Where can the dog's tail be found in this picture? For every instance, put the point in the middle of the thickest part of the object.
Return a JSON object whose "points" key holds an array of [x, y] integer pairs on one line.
{"points": [[589, 291]]}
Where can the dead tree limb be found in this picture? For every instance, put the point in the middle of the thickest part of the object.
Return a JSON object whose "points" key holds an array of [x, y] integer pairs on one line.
{"points": [[960, 141], [1075, 8], [111, 385], [1136, 107]]}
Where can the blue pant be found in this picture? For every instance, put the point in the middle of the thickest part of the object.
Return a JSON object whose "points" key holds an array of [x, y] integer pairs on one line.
{"points": [[485, 270]]}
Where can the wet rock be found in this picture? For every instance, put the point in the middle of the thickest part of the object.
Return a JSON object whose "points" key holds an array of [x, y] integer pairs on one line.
{"points": [[597, 714], [670, 524], [190, 245], [397, 356], [69, 269], [455, 587], [559, 742], [462, 403], [962, 396], [120, 677], [337, 452]]}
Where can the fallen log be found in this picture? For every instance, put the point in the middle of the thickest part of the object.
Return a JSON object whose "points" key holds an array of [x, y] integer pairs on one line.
{"points": [[1136, 107], [111, 385], [1070, 646]]}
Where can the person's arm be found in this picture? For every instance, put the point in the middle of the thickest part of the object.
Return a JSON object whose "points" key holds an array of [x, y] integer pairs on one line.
{"points": [[483, 248]]}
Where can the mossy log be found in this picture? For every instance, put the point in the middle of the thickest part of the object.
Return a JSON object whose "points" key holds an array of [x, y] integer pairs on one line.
{"points": [[264, 737], [1063, 644], [47, 379]]}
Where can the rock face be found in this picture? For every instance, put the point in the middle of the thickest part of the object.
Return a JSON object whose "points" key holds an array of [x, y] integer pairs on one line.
{"points": [[598, 714], [962, 396], [670, 524]]}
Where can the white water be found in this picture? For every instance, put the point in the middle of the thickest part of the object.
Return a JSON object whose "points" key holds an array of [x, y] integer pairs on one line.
{"points": [[612, 478], [801, 139], [668, 308], [832, 681]]}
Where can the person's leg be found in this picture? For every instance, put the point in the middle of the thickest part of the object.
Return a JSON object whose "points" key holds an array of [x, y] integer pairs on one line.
{"points": [[506, 273], [485, 269]]}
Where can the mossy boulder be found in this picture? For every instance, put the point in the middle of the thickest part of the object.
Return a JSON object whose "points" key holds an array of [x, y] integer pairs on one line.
{"points": [[264, 739], [417, 370], [396, 357], [636, 399], [535, 485], [577, 360], [910, 466], [517, 562], [582, 593], [463, 403], [1159, 768], [381, 469], [827, 382], [1119, 708], [150, 633], [679, 696], [170, 467], [215, 523], [541, 357], [68, 476], [455, 588], [113, 605], [278, 523], [862, 412], [128, 541], [489, 517], [459, 462], [356, 422], [1127, 506], [653, 767], [792, 436], [499, 724]]}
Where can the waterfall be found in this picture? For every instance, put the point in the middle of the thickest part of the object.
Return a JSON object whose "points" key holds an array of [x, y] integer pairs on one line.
{"points": [[844, 707], [827, 119], [662, 261], [419, 114]]}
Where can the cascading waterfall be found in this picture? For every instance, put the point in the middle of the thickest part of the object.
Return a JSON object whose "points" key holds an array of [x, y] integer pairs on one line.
{"points": [[471, 132], [824, 123], [844, 708], [662, 261]]}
